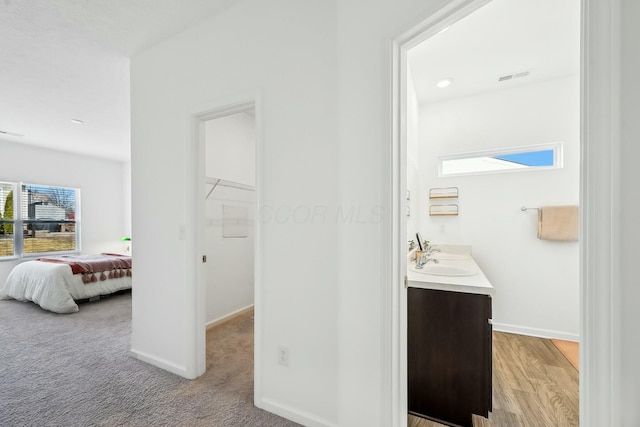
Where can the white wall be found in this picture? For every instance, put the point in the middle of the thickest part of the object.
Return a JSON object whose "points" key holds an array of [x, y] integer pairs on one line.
{"points": [[126, 192], [230, 261], [286, 50], [334, 69], [536, 282], [230, 155], [101, 184], [231, 148], [629, 296], [413, 187], [365, 31]]}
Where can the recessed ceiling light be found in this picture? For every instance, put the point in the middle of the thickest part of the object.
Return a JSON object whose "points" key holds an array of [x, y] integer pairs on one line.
{"points": [[443, 83], [77, 121]]}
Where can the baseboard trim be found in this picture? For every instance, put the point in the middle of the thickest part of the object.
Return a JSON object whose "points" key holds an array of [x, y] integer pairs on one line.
{"points": [[224, 319], [160, 363], [294, 415], [535, 332]]}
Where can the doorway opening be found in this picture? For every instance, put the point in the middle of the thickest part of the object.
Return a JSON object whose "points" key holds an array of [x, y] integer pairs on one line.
{"points": [[229, 220], [225, 199], [408, 176]]}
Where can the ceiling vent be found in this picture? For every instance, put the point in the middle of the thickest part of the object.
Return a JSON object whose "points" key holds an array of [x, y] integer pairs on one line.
{"points": [[513, 76], [4, 132]]}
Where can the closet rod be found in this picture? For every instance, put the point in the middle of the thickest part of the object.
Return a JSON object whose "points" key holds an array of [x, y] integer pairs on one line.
{"points": [[212, 188], [223, 183]]}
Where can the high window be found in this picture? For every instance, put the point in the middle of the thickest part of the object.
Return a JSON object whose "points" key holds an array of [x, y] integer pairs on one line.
{"points": [[512, 159], [38, 219]]}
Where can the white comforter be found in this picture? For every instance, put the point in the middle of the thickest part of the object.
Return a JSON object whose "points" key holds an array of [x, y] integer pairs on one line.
{"points": [[53, 287]]}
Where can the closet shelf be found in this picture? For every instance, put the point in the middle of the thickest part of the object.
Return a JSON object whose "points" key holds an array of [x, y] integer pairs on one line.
{"points": [[217, 182]]}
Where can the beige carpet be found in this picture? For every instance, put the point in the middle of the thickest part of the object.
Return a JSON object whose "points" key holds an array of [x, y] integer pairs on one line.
{"points": [[570, 350], [75, 370]]}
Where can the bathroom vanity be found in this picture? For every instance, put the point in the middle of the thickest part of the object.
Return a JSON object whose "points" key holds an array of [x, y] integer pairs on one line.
{"points": [[449, 341]]}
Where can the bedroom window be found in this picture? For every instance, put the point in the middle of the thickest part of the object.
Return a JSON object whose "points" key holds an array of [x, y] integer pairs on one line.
{"points": [[46, 216]]}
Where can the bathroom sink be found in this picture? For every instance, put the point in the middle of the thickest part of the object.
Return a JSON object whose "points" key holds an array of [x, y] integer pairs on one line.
{"points": [[448, 256], [444, 270]]}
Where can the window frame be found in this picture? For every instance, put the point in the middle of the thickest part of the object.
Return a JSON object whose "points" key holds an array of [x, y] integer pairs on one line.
{"points": [[556, 147], [19, 222], [16, 213]]}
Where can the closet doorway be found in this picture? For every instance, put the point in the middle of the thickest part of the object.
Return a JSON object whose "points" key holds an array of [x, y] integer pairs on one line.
{"points": [[229, 216], [224, 157]]}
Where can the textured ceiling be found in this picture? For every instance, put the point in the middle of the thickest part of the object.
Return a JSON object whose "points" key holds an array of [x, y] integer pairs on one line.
{"points": [[502, 37], [69, 59]]}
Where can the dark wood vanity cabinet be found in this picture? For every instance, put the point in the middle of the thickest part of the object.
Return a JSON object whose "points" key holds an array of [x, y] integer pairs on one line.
{"points": [[449, 355]]}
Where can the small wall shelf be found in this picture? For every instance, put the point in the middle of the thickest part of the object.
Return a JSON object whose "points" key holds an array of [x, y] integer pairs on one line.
{"points": [[443, 193], [443, 210]]}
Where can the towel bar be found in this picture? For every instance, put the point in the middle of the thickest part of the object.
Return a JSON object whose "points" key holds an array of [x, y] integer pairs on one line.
{"points": [[524, 208]]}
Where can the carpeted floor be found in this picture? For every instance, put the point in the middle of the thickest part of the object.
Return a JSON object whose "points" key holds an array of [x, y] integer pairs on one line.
{"points": [[76, 370]]}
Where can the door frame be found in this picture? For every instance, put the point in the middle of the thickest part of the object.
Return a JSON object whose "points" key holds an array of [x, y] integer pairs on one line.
{"points": [[196, 215], [600, 283]]}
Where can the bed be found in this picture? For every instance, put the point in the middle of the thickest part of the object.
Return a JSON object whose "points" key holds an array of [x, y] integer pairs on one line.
{"points": [[57, 283]]}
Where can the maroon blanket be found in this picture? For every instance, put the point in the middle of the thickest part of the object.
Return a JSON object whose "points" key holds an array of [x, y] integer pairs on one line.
{"points": [[92, 267]]}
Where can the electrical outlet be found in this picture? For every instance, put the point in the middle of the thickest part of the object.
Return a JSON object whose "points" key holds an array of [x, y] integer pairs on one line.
{"points": [[283, 356]]}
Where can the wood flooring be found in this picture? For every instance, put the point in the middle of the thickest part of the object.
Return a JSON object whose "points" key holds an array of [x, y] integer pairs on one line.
{"points": [[571, 351], [534, 385]]}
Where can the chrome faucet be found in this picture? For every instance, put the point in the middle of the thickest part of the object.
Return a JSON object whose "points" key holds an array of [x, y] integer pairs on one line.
{"points": [[429, 249], [423, 259]]}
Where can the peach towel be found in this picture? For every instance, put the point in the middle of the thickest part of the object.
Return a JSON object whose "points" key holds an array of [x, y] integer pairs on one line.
{"points": [[558, 223]]}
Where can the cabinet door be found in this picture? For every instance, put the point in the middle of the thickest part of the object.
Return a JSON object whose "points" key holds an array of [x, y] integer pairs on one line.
{"points": [[447, 355], [488, 367]]}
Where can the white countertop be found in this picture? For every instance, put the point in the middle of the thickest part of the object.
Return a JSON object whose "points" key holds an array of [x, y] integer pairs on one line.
{"points": [[476, 283]]}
